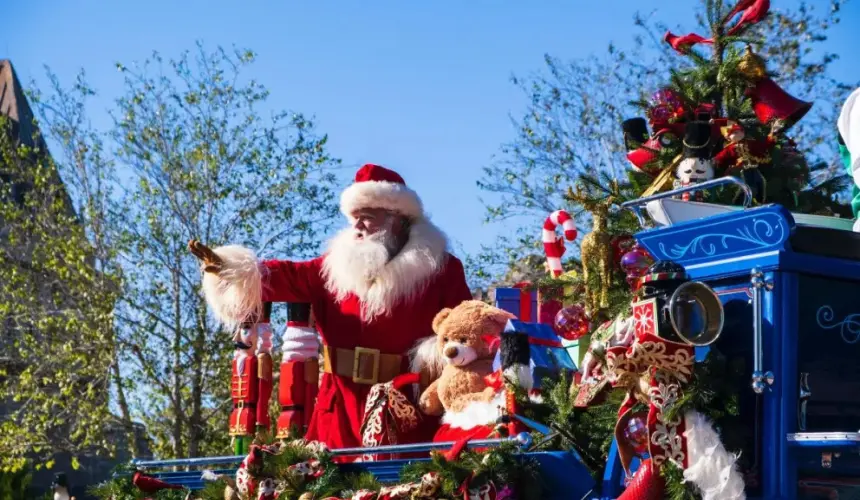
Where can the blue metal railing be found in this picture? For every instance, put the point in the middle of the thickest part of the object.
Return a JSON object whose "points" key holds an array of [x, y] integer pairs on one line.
{"points": [[393, 449]]}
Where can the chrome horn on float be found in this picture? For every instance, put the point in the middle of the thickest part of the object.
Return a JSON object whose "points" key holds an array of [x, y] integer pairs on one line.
{"points": [[694, 301], [686, 311]]}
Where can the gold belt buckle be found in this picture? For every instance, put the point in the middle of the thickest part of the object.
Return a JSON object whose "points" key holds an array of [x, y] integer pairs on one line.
{"points": [[356, 366], [240, 405]]}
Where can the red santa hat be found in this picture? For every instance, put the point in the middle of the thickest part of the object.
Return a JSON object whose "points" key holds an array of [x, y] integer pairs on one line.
{"points": [[379, 187]]}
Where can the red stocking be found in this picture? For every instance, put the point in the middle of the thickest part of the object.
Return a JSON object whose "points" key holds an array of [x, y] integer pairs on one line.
{"points": [[149, 484], [647, 484]]}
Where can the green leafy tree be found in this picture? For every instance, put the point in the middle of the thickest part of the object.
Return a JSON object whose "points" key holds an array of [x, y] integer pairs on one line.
{"points": [[571, 131], [201, 162], [107, 305], [56, 303], [14, 485]]}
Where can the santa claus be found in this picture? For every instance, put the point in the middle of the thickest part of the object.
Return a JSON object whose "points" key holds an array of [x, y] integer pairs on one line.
{"points": [[374, 294]]}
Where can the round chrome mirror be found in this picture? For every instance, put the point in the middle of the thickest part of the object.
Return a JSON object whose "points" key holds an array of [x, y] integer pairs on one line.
{"points": [[696, 313]]}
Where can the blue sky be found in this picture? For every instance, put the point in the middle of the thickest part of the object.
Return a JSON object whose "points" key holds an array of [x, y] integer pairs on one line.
{"points": [[422, 87]]}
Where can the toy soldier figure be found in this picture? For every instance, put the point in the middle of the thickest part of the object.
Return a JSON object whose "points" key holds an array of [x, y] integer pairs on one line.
{"points": [[297, 387], [251, 383]]}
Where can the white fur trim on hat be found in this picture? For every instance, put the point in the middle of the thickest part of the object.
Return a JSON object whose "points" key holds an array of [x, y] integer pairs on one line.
{"points": [[379, 194]]}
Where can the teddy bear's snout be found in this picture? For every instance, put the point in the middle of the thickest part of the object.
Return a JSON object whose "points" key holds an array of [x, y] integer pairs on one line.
{"points": [[451, 352]]}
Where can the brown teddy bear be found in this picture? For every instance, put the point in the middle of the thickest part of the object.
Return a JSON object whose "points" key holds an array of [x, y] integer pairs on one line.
{"points": [[464, 338]]}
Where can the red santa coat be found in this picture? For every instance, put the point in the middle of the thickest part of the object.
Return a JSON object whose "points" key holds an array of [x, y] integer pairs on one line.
{"points": [[340, 404], [416, 284]]}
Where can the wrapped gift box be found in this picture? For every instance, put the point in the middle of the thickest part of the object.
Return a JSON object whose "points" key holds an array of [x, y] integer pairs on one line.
{"points": [[518, 301], [548, 355]]}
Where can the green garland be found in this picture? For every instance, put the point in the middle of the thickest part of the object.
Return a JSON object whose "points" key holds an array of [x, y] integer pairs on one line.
{"points": [[504, 466]]}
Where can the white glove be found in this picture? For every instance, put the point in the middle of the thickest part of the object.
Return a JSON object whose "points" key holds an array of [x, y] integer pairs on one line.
{"points": [[264, 338], [857, 226], [300, 344], [588, 366]]}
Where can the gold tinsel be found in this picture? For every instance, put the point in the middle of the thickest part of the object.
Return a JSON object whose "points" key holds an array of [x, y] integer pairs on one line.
{"points": [[752, 66], [664, 180], [596, 252]]}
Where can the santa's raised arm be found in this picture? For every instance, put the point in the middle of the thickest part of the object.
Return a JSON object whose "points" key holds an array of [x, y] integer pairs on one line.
{"points": [[374, 294]]}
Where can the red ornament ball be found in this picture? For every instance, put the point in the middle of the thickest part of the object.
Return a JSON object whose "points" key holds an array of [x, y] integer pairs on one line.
{"points": [[667, 97], [636, 262], [636, 433], [572, 322], [666, 107]]}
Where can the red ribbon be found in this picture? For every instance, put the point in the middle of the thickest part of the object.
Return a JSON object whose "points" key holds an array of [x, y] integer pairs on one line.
{"points": [[545, 342], [495, 380], [525, 301]]}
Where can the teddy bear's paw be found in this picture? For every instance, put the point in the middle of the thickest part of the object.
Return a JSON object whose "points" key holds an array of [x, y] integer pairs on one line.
{"points": [[488, 394], [430, 406]]}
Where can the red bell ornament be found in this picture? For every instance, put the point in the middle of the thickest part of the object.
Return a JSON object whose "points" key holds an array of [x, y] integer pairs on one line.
{"points": [[572, 323], [772, 104]]}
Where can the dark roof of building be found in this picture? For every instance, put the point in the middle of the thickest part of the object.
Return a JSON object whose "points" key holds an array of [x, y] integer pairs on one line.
{"points": [[13, 104]]}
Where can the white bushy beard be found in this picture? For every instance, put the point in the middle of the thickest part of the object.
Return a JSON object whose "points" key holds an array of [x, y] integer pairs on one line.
{"points": [[354, 261]]}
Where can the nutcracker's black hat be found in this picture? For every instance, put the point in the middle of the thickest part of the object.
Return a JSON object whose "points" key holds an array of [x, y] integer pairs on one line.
{"points": [[635, 132], [697, 140]]}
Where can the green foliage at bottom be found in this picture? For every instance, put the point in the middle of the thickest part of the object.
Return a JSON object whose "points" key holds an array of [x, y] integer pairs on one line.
{"points": [[676, 488], [503, 466], [14, 485]]}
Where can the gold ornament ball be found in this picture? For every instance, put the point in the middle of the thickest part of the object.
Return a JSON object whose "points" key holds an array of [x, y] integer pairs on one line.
{"points": [[752, 65], [306, 496]]}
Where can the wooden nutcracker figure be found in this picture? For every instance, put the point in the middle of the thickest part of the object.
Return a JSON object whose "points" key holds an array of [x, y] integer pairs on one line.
{"points": [[251, 384], [299, 375], [746, 154], [697, 164], [264, 370]]}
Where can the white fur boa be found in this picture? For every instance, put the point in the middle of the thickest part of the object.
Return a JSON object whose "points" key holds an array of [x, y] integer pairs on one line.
{"points": [[236, 292], [476, 413], [711, 467], [401, 280]]}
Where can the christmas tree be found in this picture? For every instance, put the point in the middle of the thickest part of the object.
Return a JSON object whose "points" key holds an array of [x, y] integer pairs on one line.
{"points": [[721, 114]]}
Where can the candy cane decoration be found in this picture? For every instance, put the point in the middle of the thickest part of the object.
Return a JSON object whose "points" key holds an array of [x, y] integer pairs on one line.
{"points": [[552, 244]]}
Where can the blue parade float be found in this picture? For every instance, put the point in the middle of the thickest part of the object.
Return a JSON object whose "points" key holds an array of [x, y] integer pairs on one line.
{"points": [[790, 289]]}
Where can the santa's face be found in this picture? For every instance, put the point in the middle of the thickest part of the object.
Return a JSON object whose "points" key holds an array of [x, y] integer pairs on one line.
{"points": [[695, 170], [371, 241], [370, 221]]}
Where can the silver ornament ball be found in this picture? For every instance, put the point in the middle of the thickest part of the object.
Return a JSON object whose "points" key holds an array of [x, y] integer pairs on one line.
{"points": [[524, 439]]}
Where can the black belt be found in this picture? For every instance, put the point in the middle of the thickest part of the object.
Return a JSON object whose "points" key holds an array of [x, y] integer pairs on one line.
{"points": [[293, 408], [242, 404]]}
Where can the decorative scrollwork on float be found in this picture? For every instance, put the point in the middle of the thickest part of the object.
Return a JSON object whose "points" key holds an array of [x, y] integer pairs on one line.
{"points": [[761, 233], [849, 327]]}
